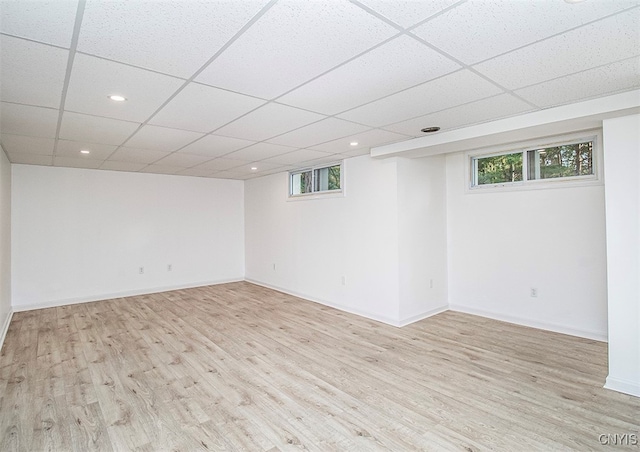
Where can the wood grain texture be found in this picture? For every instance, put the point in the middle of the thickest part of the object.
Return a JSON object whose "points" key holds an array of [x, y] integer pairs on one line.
{"points": [[241, 367]]}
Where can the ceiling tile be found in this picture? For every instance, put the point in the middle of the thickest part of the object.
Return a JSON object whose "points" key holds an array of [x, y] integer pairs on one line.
{"points": [[365, 140], [50, 21], [407, 13], [495, 27], [202, 108], [606, 41], [133, 155], [95, 129], [94, 79], [121, 166], [158, 138], [325, 58], [31, 73], [182, 160], [26, 120], [174, 37], [329, 158], [196, 172], [250, 176], [261, 166], [620, 76], [268, 121], [18, 144], [71, 162], [280, 169], [68, 148], [475, 112], [311, 37], [221, 164], [319, 132], [227, 175], [259, 151], [295, 157], [162, 169], [215, 145], [31, 159], [356, 152], [397, 65], [445, 92]]}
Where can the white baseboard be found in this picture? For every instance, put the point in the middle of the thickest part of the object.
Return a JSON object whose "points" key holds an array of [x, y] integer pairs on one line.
{"points": [[594, 335], [5, 328], [109, 296], [368, 315], [422, 316], [624, 386], [350, 310]]}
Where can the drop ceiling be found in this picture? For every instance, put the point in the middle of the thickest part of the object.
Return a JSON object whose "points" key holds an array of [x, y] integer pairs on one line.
{"points": [[216, 88]]}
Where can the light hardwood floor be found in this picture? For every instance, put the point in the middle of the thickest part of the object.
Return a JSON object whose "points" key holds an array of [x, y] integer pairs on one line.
{"points": [[242, 367]]}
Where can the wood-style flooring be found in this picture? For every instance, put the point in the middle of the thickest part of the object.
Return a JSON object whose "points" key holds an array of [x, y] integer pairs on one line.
{"points": [[241, 367]]}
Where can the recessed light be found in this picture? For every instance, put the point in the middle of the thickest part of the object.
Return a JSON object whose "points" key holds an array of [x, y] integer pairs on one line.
{"points": [[85, 151], [574, 1], [253, 168], [430, 129], [117, 98], [353, 143]]}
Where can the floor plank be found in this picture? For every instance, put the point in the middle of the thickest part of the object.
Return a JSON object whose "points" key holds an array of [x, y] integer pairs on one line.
{"points": [[241, 367]]}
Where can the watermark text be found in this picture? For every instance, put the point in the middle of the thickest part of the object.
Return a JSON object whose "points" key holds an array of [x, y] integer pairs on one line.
{"points": [[618, 439]]}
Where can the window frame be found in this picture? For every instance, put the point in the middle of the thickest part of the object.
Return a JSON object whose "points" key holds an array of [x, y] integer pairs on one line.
{"points": [[316, 194], [471, 163]]}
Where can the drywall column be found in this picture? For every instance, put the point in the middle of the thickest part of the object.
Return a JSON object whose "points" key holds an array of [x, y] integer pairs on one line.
{"points": [[622, 196], [5, 244], [422, 237]]}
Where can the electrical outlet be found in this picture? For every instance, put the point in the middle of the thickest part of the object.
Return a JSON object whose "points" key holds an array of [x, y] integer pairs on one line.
{"points": [[169, 268], [534, 292], [344, 281], [141, 270], [431, 284], [274, 267]]}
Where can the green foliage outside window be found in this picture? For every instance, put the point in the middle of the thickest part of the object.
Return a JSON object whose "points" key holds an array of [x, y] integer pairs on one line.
{"points": [[567, 160], [315, 180], [500, 169], [334, 177], [561, 161]]}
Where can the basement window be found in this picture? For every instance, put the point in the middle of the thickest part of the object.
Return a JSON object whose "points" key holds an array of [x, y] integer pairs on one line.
{"points": [[570, 159], [316, 180]]}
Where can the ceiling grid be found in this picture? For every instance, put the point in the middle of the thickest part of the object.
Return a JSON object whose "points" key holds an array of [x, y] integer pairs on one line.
{"points": [[216, 88]]}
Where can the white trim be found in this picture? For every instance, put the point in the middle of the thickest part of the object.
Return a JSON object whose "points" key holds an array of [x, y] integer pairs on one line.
{"points": [[5, 329], [316, 194], [423, 315], [368, 315], [624, 386], [594, 335], [567, 118], [129, 293], [523, 147]]}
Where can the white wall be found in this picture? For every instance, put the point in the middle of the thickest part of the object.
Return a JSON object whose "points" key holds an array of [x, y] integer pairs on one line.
{"points": [[622, 166], [422, 236], [314, 243], [387, 237], [82, 235], [5, 244], [503, 243]]}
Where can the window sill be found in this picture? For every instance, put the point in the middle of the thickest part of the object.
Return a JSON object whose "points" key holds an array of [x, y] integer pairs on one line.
{"points": [[536, 185], [315, 196]]}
